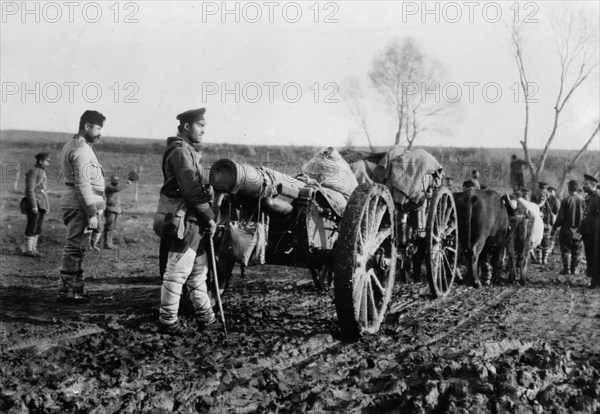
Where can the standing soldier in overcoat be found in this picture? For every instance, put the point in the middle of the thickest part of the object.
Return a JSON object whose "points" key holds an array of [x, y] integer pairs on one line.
{"points": [[183, 259], [82, 203], [590, 230], [569, 219], [36, 203]]}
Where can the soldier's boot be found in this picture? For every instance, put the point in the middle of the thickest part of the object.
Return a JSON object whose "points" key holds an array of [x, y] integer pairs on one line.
{"points": [[544, 256], [575, 265], [95, 239], [29, 247], [35, 243], [486, 274], [108, 240], [566, 260], [70, 288]]}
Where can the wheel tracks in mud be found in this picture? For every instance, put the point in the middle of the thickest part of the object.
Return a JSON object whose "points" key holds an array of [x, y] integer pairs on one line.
{"points": [[325, 345]]}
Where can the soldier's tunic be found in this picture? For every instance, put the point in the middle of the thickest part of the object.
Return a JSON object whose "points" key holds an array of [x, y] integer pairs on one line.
{"points": [[590, 230], [35, 192], [183, 260], [569, 219], [83, 198]]}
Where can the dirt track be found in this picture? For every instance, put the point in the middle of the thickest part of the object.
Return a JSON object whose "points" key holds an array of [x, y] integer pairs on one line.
{"points": [[498, 349]]}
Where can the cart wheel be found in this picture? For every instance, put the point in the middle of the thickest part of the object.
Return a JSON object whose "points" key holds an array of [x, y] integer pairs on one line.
{"points": [[322, 276], [365, 260], [442, 242]]}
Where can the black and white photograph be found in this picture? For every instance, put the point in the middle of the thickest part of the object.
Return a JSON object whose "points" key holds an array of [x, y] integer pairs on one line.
{"points": [[300, 206]]}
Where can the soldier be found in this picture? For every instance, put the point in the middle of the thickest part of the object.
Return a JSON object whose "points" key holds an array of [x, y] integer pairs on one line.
{"points": [[112, 211], [553, 207], [36, 203], [590, 230], [181, 241], [475, 179], [517, 178], [450, 184], [541, 199], [82, 203], [569, 218]]}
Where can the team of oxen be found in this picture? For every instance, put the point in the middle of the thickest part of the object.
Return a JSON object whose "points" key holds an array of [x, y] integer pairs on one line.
{"points": [[494, 230]]}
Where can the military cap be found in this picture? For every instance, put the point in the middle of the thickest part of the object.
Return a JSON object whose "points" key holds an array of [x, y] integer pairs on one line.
{"points": [[587, 177], [524, 190], [41, 156], [551, 188], [542, 185], [93, 117], [193, 115]]}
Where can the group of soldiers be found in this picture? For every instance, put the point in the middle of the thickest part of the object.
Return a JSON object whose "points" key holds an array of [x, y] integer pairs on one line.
{"points": [[86, 198], [187, 220]]}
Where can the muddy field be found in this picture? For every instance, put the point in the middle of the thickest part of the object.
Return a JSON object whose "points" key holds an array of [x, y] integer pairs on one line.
{"points": [[497, 349]]}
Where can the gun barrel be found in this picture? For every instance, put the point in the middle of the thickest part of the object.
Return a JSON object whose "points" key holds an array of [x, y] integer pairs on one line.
{"points": [[259, 182]]}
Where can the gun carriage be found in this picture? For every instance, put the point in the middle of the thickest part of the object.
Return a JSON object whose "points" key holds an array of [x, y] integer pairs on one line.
{"points": [[359, 240]]}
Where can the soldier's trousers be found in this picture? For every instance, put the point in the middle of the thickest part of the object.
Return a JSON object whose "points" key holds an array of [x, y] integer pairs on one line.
{"points": [[110, 220], [591, 245], [77, 240], [35, 221], [186, 263]]}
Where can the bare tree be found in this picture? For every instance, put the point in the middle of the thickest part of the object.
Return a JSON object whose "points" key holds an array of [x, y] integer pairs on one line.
{"points": [[577, 50], [353, 96], [571, 164], [406, 78]]}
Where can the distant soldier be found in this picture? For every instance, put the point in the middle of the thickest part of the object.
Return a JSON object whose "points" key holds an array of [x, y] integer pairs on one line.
{"points": [[82, 203], [36, 203], [475, 179], [541, 199], [553, 207], [467, 185], [112, 211], [569, 219], [517, 177], [183, 259], [590, 230]]}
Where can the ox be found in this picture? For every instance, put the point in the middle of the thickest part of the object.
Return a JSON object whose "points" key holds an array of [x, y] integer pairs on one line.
{"points": [[489, 225]]}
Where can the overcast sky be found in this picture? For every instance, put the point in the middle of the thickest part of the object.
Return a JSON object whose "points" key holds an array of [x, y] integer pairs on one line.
{"points": [[270, 72]]}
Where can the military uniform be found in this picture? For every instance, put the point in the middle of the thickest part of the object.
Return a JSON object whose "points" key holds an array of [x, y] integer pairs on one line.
{"points": [[82, 199], [37, 205], [590, 230], [569, 218], [183, 259]]}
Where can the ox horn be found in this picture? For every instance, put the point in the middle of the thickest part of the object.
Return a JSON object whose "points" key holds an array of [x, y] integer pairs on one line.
{"points": [[511, 202]]}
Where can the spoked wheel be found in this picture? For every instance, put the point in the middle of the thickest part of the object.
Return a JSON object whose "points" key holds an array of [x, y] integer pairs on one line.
{"points": [[365, 260], [442, 242]]}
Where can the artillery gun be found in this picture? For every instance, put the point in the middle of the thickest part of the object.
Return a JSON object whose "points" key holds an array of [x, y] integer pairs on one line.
{"points": [[358, 240]]}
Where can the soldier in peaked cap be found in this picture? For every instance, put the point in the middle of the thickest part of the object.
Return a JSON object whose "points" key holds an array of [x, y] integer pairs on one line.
{"points": [[82, 203], [590, 230], [569, 218], [183, 259], [36, 204]]}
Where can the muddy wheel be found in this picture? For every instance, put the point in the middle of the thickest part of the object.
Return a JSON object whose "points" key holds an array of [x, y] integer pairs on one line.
{"points": [[442, 242], [322, 276], [365, 260]]}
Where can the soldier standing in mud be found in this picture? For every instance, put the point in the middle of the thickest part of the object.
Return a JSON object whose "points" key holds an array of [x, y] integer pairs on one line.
{"points": [[541, 199], [590, 230], [112, 211], [82, 203], [569, 218], [183, 259], [36, 203]]}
